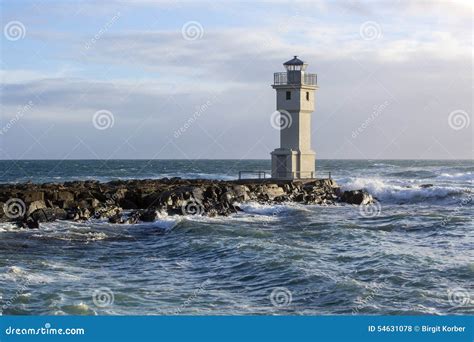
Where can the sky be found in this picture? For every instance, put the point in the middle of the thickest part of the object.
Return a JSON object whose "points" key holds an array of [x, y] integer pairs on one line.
{"points": [[192, 79]]}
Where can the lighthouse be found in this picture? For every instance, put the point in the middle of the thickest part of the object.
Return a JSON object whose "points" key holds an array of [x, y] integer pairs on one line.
{"points": [[295, 97]]}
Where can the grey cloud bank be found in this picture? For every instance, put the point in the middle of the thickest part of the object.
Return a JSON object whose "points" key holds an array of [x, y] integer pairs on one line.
{"points": [[152, 81]]}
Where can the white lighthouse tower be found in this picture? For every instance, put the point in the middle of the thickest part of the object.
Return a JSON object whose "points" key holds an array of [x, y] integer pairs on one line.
{"points": [[295, 93]]}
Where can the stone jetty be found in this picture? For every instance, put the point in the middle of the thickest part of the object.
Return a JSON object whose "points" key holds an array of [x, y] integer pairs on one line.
{"points": [[132, 201]]}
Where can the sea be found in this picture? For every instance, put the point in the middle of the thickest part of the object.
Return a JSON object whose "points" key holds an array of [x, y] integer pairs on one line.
{"points": [[410, 253]]}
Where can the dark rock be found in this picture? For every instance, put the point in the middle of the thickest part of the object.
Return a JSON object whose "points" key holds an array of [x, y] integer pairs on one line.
{"points": [[106, 212], [148, 215], [35, 205], [80, 200], [127, 204], [43, 215], [356, 197], [117, 218], [31, 196], [65, 196]]}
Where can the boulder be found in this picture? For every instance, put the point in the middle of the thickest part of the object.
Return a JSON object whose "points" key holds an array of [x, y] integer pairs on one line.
{"points": [[272, 190], [356, 197], [35, 205], [43, 215], [148, 215], [31, 196], [65, 196]]}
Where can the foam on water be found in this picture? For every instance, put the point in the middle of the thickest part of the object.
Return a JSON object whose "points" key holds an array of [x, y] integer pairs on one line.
{"points": [[402, 191], [459, 176], [418, 246]]}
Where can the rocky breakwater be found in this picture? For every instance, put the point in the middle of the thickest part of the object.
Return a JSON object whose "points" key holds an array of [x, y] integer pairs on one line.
{"points": [[133, 201]]}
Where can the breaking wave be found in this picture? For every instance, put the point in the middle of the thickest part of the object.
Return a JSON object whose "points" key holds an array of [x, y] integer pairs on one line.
{"points": [[404, 192]]}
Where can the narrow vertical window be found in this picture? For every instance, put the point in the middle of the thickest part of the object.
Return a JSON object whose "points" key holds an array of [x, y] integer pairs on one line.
{"points": [[288, 95], [307, 96]]}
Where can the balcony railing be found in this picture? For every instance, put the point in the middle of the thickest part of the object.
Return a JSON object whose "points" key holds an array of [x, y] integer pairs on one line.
{"points": [[258, 174], [296, 174], [311, 79], [281, 78]]}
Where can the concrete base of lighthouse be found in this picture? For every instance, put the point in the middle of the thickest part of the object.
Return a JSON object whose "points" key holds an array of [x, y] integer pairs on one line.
{"points": [[292, 164]]}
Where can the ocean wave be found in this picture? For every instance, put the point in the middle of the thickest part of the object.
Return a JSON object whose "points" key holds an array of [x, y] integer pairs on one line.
{"points": [[459, 176], [10, 227], [387, 191], [263, 209], [19, 274], [413, 174]]}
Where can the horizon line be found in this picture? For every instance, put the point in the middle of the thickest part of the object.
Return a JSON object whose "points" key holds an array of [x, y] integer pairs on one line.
{"points": [[239, 159]]}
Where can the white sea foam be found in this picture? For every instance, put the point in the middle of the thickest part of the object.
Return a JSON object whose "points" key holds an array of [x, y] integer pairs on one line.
{"points": [[19, 274], [459, 176], [270, 209], [166, 222], [10, 227], [262, 209], [399, 192]]}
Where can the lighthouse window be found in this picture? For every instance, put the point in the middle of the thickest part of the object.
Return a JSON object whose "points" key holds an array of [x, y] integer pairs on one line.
{"points": [[288, 95], [307, 96]]}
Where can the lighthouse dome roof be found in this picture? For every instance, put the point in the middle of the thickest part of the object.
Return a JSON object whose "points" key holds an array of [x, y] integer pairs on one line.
{"points": [[294, 61]]}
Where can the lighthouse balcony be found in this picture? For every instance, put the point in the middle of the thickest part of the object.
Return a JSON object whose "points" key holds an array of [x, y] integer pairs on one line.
{"points": [[281, 78]]}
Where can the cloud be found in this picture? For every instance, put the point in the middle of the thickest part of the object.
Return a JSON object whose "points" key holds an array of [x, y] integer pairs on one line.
{"points": [[154, 80]]}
